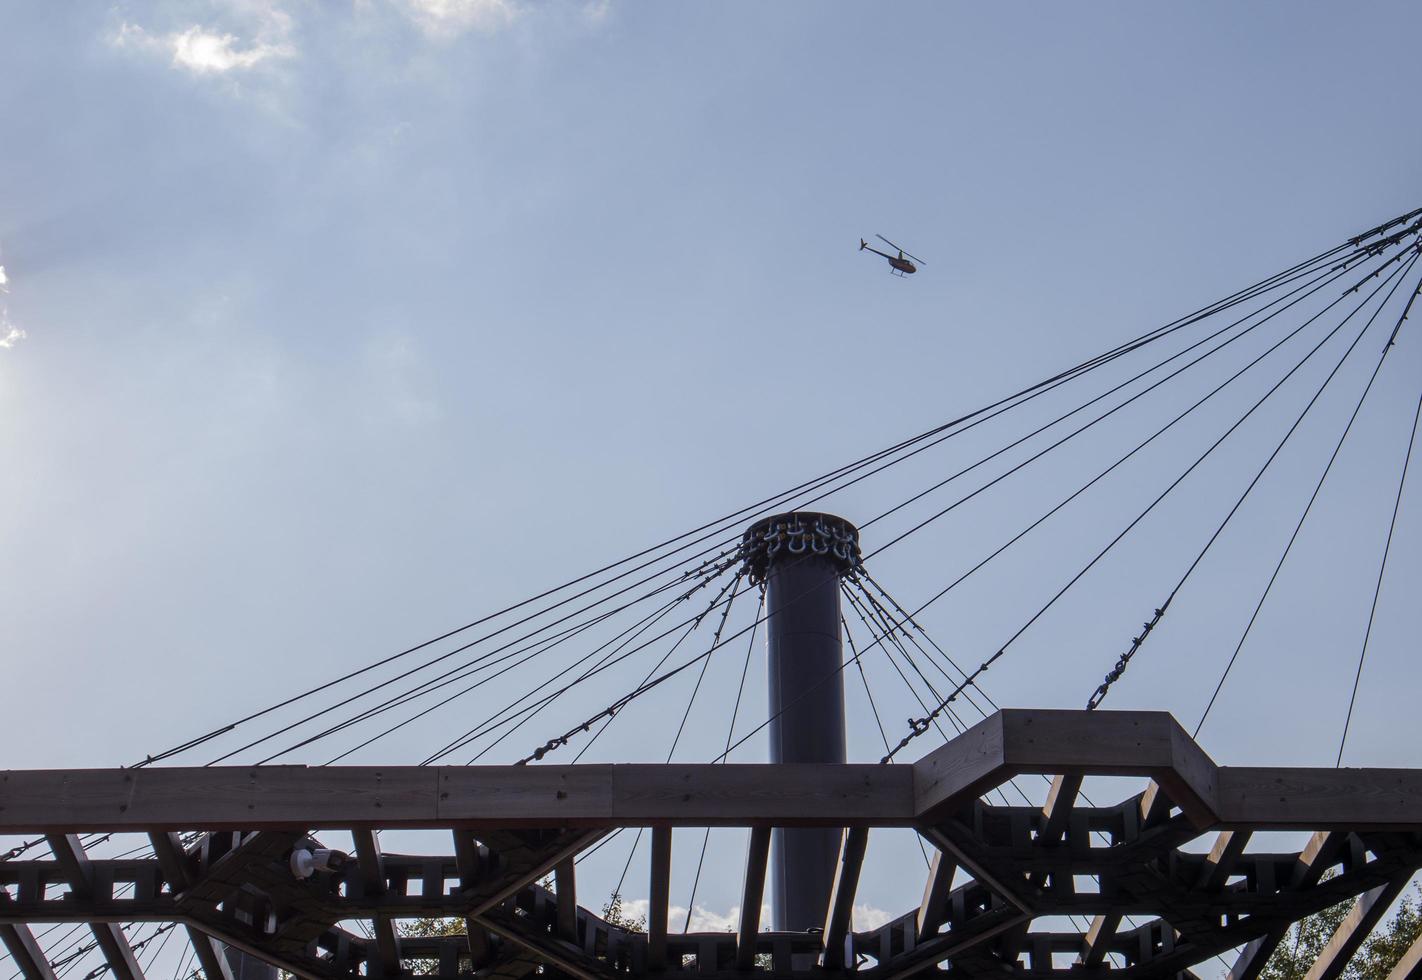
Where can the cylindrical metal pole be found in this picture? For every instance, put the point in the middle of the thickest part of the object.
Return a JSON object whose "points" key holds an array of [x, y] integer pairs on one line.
{"points": [[801, 558]]}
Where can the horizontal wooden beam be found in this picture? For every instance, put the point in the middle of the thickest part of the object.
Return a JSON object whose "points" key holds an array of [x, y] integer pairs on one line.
{"points": [[473, 797], [1319, 799], [1011, 742]]}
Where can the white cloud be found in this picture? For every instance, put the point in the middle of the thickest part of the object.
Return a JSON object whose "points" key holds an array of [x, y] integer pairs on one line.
{"points": [[204, 51], [217, 50], [10, 335], [450, 18], [869, 917]]}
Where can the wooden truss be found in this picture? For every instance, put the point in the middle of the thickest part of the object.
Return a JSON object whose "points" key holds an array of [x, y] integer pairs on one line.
{"points": [[1004, 881]]}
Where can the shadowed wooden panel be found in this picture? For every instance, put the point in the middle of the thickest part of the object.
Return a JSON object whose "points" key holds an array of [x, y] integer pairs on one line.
{"points": [[1313, 799]]}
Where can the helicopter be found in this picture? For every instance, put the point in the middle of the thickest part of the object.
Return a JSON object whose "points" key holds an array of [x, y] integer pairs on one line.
{"points": [[899, 264]]}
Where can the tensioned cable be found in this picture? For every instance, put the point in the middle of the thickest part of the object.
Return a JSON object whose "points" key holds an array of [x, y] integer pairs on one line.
{"points": [[1377, 589], [1100, 418], [970, 680], [680, 580], [465, 671], [1125, 660], [1086, 365], [672, 751], [1318, 487], [620, 703], [864, 575], [608, 660], [364, 716], [644, 687], [725, 614], [1315, 286], [655, 667], [874, 619], [869, 695], [894, 643], [859, 663], [730, 731], [873, 707], [921, 725], [883, 616]]}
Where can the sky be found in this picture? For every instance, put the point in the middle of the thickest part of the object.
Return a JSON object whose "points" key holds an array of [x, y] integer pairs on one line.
{"points": [[328, 326]]}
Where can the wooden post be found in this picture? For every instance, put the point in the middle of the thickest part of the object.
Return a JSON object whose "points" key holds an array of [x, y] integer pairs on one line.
{"points": [[752, 895], [660, 898]]}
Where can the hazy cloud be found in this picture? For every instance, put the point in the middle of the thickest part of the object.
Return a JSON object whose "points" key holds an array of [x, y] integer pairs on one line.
{"points": [[449, 18], [210, 50], [10, 335]]}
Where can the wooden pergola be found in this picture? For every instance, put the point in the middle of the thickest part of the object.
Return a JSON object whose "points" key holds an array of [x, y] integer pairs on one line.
{"points": [[1004, 879]]}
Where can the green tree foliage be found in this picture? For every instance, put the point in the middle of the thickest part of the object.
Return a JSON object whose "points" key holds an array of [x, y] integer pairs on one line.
{"points": [[1379, 954], [614, 914], [431, 927]]}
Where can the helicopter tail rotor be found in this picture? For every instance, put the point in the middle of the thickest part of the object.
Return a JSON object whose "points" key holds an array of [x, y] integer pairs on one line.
{"points": [[863, 244]]}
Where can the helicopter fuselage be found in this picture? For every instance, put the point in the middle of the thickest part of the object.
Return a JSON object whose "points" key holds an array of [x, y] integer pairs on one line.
{"points": [[897, 262]]}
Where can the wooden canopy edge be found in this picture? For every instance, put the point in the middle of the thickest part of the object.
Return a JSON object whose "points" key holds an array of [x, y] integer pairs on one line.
{"points": [[297, 797], [1005, 744], [1015, 741]]}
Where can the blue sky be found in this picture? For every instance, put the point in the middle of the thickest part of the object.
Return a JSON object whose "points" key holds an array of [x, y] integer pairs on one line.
{"points": [[332, 325]]}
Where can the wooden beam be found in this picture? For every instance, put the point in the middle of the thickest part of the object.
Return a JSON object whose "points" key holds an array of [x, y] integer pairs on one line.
{"points": [[1013, 742], [470, 857], [472, 797], [1252, 959], [1320, 852], [114, 945], [1012, 892], [660, 898], [172, 858], [841, 904], [1223, 856], [752, 895], [1097, 941], [1057, 810], [158, 799], [546, 950], [1320, 799], [1367, 911], [1410, 966], [508, 875], [565, 888], [209, 955], [26, 952], [1155, 805], [937, 891], [946, 946], [69, 854], [370, 864]]}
